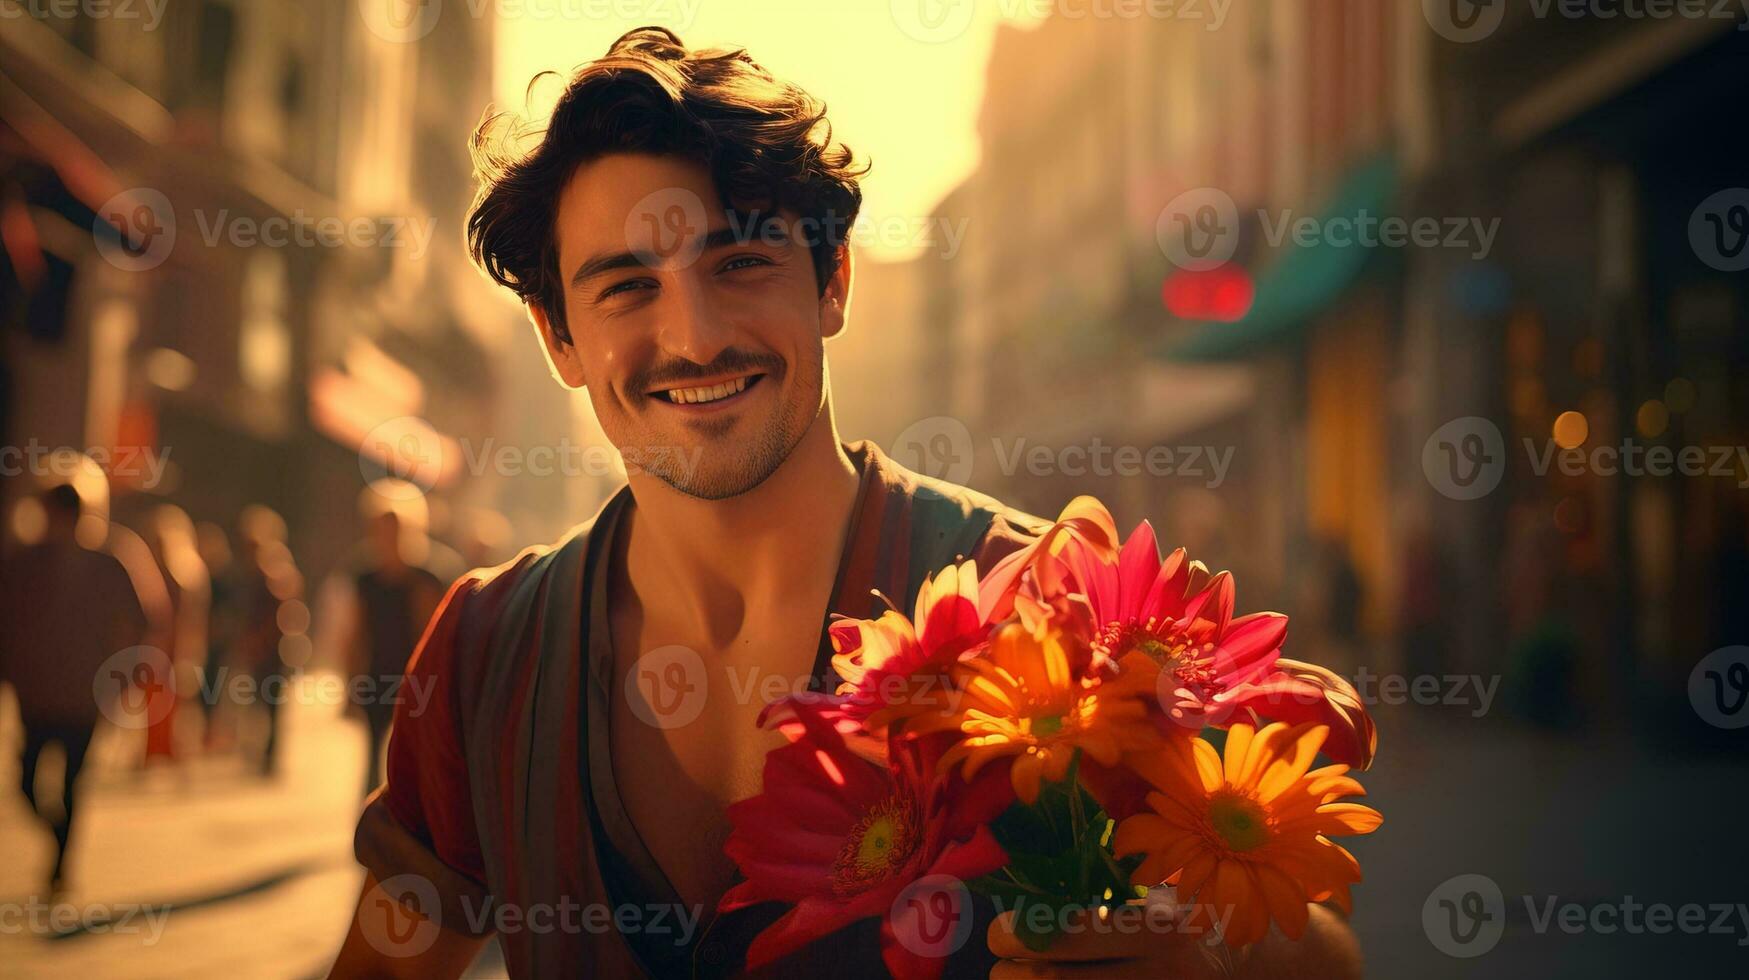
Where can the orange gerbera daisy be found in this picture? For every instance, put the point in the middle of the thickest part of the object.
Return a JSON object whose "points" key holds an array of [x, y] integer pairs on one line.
{"points": [[1247, 841], [1024, 700]]}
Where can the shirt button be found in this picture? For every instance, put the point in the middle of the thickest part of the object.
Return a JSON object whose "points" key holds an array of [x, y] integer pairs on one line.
{"points": [[712, 952]]}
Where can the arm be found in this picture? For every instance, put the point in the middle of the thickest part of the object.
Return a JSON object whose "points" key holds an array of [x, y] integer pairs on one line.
{"points": [[417, 837], [391, 938]]}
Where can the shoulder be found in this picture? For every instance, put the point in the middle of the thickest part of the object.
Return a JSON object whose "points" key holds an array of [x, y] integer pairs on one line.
{"points": [[459, 638], [1009, 531], [479, 621], [929, 491], [949, 520]]}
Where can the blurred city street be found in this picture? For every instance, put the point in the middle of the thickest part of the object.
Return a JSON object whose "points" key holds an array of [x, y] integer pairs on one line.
{"points": [[258, 875], [1591, 820], [216, 871], [1428, 321]]}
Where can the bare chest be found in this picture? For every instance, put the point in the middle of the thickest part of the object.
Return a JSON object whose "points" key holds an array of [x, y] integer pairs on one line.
{"points": [[685, 741]]}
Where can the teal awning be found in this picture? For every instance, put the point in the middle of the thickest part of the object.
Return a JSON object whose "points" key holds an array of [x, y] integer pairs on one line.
{"points": [[1304, 280]]}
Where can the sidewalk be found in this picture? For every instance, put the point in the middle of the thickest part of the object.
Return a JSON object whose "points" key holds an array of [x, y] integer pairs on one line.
{"points": [[1594, 820], [258, 876]]}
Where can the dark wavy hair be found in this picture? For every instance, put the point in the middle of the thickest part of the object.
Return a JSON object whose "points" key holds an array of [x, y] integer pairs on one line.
{"points": [[766, 143]]}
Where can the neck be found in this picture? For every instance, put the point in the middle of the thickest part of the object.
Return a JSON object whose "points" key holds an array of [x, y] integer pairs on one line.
{"points": [[723, 557]]}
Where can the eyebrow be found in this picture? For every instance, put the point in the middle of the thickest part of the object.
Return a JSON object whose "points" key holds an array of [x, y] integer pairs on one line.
{"points": [[643, 259]]}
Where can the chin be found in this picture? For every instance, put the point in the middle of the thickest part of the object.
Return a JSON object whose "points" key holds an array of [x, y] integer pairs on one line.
{"points": [[720, 466]]}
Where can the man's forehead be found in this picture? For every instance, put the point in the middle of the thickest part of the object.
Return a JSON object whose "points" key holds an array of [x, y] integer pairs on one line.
{"points": [[611, 195], [607, 189], [643, 202]]}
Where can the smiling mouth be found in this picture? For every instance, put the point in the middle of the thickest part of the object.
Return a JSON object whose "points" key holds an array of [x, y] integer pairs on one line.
{"points": [[708, 394]]}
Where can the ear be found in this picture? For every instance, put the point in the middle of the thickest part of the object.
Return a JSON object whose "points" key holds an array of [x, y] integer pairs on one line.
{"points": [[561, 354], [835, 299]]}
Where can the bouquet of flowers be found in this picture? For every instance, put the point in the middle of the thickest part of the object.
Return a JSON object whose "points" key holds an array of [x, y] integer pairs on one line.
{"points": [[1046, 734]]}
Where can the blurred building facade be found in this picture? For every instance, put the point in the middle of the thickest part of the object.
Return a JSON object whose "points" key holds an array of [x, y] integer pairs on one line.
{"points": [[1610, 316], [1051, 326], [1572, 155], [235, 239], [269, 372]]}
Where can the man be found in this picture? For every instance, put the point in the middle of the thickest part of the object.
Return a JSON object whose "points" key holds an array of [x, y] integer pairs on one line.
{"points": [[677, 237], [188, 586], [225, 617], [67, 611], [267, 580], [395, 594]]}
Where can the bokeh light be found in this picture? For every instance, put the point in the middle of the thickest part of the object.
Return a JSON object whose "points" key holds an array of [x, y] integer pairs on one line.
{"points": [[1571, 429]]}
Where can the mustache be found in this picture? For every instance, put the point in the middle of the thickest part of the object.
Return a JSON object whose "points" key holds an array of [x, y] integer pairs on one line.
{"points": [[676, 373]]}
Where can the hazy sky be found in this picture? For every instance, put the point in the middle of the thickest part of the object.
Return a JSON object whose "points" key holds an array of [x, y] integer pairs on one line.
{"points": [[902, 78]]}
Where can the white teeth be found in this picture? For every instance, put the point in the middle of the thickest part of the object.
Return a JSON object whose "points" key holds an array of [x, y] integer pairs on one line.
{"points": [[693, 396]]}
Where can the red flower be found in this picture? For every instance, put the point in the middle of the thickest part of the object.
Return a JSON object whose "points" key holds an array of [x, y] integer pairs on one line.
{"points": [[839, 838], [1084, 523], [898, 663], [1174, 619]]}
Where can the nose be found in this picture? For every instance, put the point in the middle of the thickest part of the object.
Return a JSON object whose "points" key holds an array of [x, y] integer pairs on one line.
{"points": [[691, 325]]}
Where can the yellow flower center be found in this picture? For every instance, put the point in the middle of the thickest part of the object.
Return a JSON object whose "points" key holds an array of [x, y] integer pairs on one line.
{"points": [[1046, 726], [879, 844], [1154, 648], [1239, 821], [1167, 644]]}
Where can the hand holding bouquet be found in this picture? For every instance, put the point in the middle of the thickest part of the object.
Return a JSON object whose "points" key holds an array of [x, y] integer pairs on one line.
{"points": [[1042, 735]]}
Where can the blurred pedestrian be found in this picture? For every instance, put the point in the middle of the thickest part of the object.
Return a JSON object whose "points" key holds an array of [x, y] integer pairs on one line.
{"points": [[1539, 595], [1424, 591], [269, 578], [1329, 605], [68, 610], [397, 590], [187, 583], [224, 628], [485, 538]]}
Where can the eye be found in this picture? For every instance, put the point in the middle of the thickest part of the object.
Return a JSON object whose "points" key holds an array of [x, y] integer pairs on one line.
{"points": [[745, 262], [621, 287]]}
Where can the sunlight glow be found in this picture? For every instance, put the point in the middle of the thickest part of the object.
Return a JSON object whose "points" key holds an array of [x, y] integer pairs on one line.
{"points": [[908, 106]]}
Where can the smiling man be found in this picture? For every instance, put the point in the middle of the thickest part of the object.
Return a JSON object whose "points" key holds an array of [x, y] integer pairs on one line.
{"points": [[678, 238]]}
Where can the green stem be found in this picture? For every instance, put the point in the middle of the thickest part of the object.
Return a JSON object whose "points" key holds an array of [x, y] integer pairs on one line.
{"points": [[1117, 875]]}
